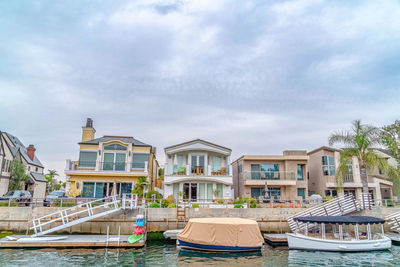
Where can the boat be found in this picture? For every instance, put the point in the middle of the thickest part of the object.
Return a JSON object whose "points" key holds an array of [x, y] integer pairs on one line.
{"points": [[135, 238], [320, 233], [171, 234], [221, 235], [36, 239]]}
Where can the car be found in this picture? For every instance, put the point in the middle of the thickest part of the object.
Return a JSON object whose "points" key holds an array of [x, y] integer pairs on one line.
{"points": [[20, 196], [53, 195]]}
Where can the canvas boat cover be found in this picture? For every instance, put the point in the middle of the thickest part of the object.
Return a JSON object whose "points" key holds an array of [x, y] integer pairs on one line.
{"points": [[234, 232], [340, 219]]}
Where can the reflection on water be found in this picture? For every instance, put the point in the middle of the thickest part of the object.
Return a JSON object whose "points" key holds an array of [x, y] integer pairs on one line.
{"points": [[161, 254]]}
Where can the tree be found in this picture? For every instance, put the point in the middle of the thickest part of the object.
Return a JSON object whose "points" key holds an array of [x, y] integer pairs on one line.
{"points": [[50, 176], [390, 136], [140, 186], [18, 175], [360, 140]]}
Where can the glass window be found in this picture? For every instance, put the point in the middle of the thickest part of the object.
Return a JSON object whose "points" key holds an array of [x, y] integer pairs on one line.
{"points": [[255, 171], [324, 160], [201, 161], [274, 192], [108, 164], [332, 170], [120, 161], [257, 192], [331, 161], [300, 174], [87, 159], [126, 188], [301, 193], [115, 147], [175, 190], [88, 189], [202, 191], [216, 164], [219, 189], [210, 191], [139, 159], [328, 167], [325, 169], [99, 190]]}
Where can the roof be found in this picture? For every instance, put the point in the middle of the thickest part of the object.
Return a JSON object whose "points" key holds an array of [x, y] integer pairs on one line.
{"points": [[324, 148], [385, 151], [19, 147], [197, 140], [340, 219], [271, 157], [38, 177], [107, 138]]}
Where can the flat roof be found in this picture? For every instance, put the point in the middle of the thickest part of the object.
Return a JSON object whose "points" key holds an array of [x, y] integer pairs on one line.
{"points": [[271, 157]]}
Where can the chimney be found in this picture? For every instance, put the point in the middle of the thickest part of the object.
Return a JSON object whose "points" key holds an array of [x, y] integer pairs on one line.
{"points": [[31, 151], [88, 131]]}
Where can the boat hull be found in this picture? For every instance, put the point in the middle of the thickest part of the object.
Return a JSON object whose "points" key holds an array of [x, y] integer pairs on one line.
{"points": [[302, 242], [201, 247]]}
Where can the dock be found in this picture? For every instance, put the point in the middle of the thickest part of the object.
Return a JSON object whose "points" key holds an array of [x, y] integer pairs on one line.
{"points": [[76, 241], [276, 240]]}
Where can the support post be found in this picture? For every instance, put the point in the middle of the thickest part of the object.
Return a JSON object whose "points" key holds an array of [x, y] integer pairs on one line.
{"points": [[369, 231], [306, 229], [356, 230], [323, 230], [340, 232], [383, 232]]}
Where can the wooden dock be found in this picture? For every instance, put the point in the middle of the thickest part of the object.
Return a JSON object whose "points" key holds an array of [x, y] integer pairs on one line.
{"points": [[76, 241], [276, 240]]}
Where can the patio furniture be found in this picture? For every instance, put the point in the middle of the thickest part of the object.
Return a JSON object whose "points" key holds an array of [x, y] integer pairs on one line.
{"points": [[181, 171]]}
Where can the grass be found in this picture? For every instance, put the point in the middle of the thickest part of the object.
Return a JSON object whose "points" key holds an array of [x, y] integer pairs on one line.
{"points": [[5, 233], [155, 236]]}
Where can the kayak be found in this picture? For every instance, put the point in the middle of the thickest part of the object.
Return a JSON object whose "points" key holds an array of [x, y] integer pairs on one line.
{"points": [[135, 238], [138, 230], [36, 239]]}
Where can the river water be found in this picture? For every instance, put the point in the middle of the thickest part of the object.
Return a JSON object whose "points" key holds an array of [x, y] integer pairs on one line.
{"points": [[162, 254]]}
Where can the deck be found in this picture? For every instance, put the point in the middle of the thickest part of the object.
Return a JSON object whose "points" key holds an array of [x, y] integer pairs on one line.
{"points": [[276, 240], [74, 241]]}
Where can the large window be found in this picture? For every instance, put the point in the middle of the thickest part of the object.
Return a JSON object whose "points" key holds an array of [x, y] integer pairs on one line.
{"points": [[219, 190], [331, 193], [115, 147], [300, 172], [328, 165], [88, 189], [139, 159], [274, 192], [257, 192], [301, 192], [265, 171], [114, 161], [87, 159]]}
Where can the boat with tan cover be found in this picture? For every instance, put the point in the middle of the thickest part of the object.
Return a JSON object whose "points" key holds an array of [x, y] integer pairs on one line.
{"points": [[221, 234]]}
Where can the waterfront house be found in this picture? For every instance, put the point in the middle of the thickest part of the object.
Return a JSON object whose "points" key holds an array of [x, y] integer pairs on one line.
{"points": [[280, 177], [110, 165], [198, 170], [322, 169], [12, 148]]}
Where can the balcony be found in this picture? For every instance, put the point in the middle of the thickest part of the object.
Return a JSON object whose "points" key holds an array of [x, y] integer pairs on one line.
{"points": [[187, 170], [99, 166], [270, 177], [349, 178]]}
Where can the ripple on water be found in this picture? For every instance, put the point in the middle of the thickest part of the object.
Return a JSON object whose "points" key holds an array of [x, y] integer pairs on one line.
{"points": [[160, 254]]}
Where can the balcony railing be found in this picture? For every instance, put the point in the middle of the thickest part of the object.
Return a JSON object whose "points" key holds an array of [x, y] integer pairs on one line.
{"points": [[269, 175], [349, 178], [106, 166], [188, 170]]}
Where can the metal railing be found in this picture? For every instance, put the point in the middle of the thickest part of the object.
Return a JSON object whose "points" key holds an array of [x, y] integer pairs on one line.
{"points": [[189, 170], [106, 166], [269, 175]]}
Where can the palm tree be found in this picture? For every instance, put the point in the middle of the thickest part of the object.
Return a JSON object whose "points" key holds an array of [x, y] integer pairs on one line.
{"points": [[359, 141]]}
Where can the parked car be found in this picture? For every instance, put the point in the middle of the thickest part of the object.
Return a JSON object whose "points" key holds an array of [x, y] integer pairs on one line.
{"points": [[52, 196], [20, 196]]}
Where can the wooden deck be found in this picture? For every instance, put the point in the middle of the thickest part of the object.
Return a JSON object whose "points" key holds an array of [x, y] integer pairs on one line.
{"points": [[75, 241], [276, 240]]}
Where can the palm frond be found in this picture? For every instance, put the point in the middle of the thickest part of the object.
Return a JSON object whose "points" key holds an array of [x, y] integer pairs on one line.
{"points": [[344, 137]]}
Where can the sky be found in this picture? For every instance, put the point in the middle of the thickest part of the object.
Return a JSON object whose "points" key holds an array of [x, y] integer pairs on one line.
{"points": [[258, 77]]}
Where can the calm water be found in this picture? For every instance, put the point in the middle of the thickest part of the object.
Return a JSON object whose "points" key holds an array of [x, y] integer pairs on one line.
{"points": [[161, 254]]}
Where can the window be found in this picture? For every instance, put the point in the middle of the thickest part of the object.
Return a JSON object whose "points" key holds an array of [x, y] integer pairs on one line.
{"points": [[175, 190], [239, 168], [139, 159], [265, 171], [9, 165], [300, 174], [114, 161], [331, 193], [88, 189], [115, 147], [219, 190], [216, 164], [36, 169], [202, 191], [210, 194], [328, 166], [257, 192], [274, 192], [87, 159], [301, 193]]}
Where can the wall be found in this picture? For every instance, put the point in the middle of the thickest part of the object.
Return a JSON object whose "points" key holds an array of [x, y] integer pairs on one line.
{"points": [[18, 219]]}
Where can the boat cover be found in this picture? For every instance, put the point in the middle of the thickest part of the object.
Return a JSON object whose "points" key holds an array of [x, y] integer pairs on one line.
{"points": [[235, 232], [340, 219]]}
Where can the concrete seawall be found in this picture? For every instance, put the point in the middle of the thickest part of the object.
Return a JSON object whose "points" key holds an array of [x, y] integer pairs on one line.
{"points": [[18, 219]]}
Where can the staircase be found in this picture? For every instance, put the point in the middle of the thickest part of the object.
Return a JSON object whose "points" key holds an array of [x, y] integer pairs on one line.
{"points": [[335, 207], [76, 215], [394, 221]]}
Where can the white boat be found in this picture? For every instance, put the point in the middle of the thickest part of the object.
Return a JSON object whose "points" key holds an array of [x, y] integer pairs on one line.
{"points": [[320, 234], [171, 234], [36, 239]]}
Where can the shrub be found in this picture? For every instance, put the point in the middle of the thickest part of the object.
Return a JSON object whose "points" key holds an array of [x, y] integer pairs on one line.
{"points": [[166, 202], [5, 204], [154, 205], [293, 206], [238, 201], [195, 206], [238, 206], [171, 206], [220, 201], [153, 192], [230, 201]]}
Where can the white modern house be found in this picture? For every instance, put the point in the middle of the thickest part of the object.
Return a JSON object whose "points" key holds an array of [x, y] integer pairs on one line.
{"points": [[198, 170]]}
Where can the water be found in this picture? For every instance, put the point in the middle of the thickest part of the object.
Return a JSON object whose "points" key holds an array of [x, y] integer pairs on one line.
{"points": [[161, 254]]}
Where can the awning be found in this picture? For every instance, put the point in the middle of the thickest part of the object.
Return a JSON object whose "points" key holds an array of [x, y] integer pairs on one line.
{"points": [[340, 219]]}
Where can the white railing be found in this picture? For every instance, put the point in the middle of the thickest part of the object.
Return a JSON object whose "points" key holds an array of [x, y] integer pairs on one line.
{"points": [[394, 221], [269, 175], [188, 170]]}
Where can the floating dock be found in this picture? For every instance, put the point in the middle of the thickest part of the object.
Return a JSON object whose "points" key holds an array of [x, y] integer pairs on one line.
{"points": [[276, 240], [75, 241]]}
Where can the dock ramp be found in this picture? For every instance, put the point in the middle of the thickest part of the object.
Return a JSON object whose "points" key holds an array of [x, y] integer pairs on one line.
{"points": [[82, 213]]}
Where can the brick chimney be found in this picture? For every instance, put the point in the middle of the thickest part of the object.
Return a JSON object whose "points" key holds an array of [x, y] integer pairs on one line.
{"points": [[88, 132], [31, 151]]}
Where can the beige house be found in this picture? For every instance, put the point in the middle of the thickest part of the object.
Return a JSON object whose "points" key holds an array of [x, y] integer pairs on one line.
{"points": [[322, 168], [278, 177], [12, 148]]}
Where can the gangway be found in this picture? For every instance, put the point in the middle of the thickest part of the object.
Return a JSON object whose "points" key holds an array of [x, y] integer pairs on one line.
{"points": [[394, 221], [75, 215], [336, 207]]}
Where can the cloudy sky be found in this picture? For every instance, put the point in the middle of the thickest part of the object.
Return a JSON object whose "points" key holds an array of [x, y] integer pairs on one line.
{"points": [[256, 76]]}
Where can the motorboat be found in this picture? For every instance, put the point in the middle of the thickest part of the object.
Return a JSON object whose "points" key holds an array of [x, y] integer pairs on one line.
{"points": [[221, 235], [339, 233]]}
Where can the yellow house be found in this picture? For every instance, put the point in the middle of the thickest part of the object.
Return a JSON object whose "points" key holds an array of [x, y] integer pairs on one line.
{"points": [[109, 165]]}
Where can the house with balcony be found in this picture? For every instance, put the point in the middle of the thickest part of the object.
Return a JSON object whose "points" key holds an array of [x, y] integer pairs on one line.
{"points": [[277, 177], [322, 169], [198, 170], [110, 165]]}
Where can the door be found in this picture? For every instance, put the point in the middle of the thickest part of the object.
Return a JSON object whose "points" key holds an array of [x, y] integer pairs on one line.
{"points": [[255, 171], [193, 192], [186, 191]]}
